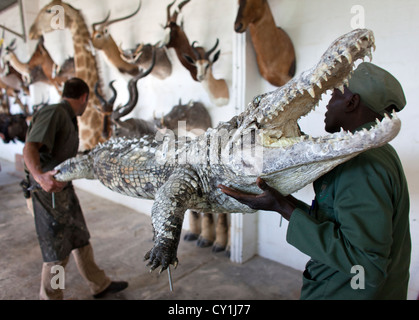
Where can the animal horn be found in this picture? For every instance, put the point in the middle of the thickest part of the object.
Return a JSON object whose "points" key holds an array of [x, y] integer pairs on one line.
{"points": [[101, 22], [133, 92], [102, 100], [208, 53], [169, 6], [182, 4], [126, 17], [153, 62], [197, 55], [112, 100]]}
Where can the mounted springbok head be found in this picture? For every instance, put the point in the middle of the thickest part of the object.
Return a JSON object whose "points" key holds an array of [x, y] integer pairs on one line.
{"points": [[217, 89], [102, 40], [274, 50], [113, 116], [177, 39], [11, 58], [141, 56]]}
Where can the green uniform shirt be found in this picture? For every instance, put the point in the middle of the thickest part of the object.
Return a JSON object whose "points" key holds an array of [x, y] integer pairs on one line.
{"points": [[357, 234], [55, 126]]}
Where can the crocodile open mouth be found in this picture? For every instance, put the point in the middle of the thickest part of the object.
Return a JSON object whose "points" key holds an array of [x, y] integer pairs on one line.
{"points": [[277, 113]]}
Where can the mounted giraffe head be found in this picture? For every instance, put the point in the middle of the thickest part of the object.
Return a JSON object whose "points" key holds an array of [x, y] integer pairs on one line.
{"points": [[52, 16], [249, 12]]}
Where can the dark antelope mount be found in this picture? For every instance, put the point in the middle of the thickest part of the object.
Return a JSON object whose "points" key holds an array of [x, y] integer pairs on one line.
{"points": [[177, 38], [274, 50], [112, 116], [41, 67]]}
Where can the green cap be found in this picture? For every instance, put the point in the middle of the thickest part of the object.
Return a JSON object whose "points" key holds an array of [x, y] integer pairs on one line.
{"points": [[377, 88]]}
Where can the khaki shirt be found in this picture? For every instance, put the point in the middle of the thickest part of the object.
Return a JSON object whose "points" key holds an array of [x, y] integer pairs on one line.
{"points": [[55, 126]]}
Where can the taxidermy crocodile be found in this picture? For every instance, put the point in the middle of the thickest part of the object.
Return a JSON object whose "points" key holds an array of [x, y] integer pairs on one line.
{"points": [[264, 140]]}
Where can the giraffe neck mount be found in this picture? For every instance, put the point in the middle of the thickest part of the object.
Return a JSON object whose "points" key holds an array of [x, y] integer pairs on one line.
{"points": [[91, 122]]}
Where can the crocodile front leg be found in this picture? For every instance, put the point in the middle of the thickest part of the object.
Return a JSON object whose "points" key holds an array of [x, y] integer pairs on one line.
{"points": [[167, 213]]}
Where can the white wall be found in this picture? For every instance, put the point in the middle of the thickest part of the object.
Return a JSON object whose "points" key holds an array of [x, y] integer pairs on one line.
{"points": [[312, 26]]}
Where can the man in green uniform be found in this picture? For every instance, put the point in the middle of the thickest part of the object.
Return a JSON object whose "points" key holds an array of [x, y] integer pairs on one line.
{"points": [[357, 229], [61, 229]]}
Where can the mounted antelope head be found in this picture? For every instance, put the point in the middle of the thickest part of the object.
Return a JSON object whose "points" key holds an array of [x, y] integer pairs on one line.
{"points": [[11, 58], [102, 40], [196, 116], [54, 74], [177, 39], [12, 127], [113, 116], [141, 56], [15, 126], [274, 50], [217, 89]]}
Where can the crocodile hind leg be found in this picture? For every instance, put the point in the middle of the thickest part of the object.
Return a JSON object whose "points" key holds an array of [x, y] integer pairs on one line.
{"points": [[167, 213]]}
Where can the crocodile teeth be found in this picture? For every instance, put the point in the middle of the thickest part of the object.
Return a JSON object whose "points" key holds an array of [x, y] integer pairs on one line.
{"points": [[311, 92], [348, 56]]}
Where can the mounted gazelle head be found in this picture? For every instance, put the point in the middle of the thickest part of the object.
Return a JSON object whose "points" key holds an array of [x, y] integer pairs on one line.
{"points": [[100, 35], [249, 12], [217, 89], [102, 40], [202, 61]]}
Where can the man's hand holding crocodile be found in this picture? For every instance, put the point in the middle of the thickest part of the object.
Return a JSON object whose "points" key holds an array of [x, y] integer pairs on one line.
{"points": [[269, 200]]}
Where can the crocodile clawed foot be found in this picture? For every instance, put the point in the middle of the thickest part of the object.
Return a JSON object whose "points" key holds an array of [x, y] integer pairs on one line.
{"points": [[160, 257]]}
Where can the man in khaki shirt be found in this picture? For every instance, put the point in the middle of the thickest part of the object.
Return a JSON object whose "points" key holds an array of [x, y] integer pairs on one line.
{"points": [[61, 229]]}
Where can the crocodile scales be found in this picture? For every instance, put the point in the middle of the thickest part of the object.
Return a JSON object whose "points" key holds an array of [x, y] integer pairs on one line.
{"points": [[264, 140]]}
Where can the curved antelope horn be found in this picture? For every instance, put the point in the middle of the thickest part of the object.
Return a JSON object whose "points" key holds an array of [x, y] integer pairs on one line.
{"points": [[94, 25], [182, 4], [208, 53], [194, 50], [114, 93], [133, 92], [126, 17], [98, 95], [153, 62], [12, 45], [169, 6]]}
